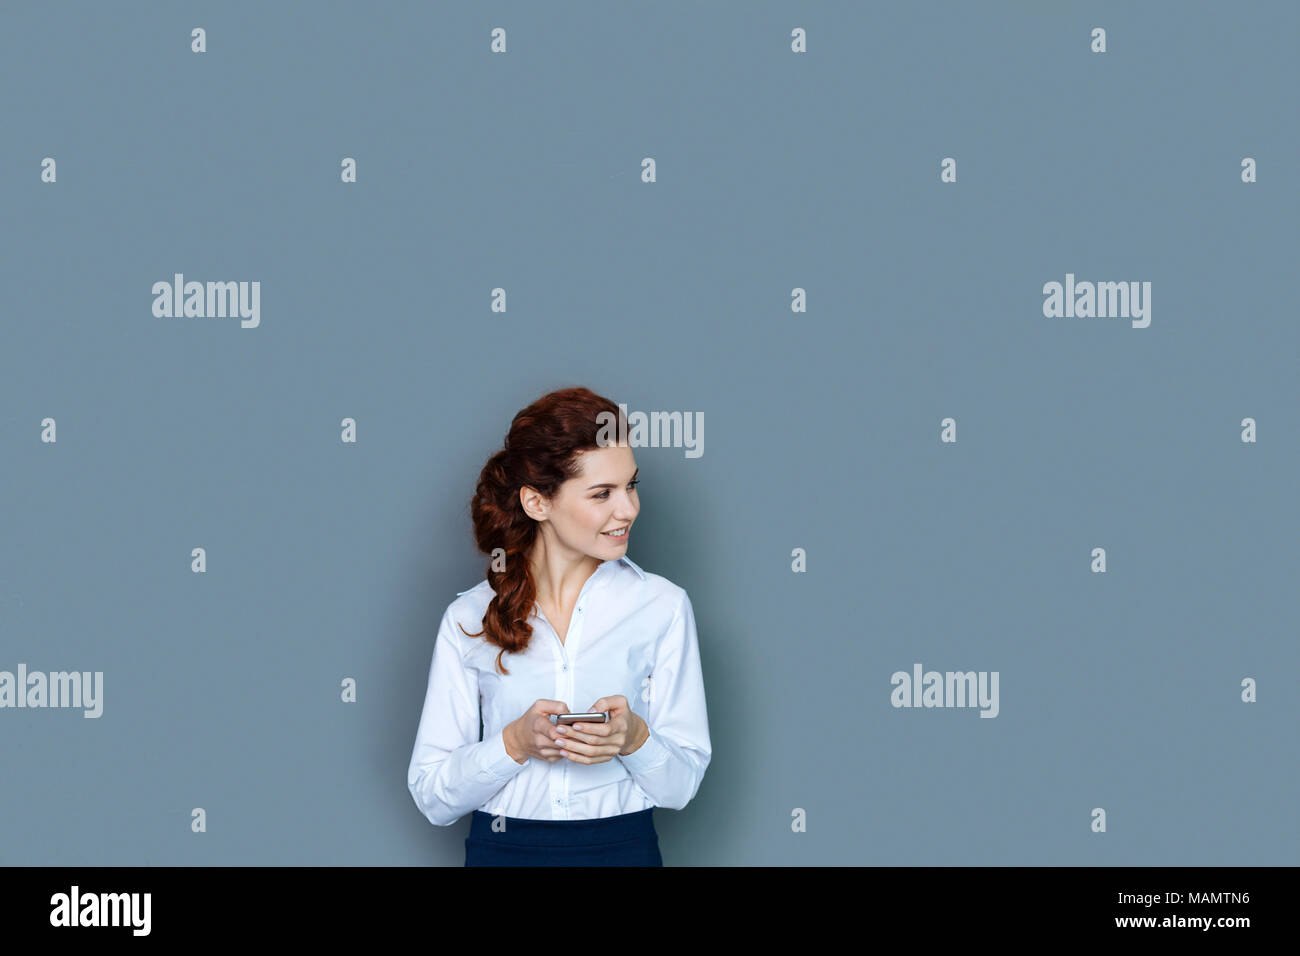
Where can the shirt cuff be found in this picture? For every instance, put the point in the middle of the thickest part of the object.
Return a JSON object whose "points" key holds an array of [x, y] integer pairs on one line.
{"points": [[646, 757], [496, 760]]}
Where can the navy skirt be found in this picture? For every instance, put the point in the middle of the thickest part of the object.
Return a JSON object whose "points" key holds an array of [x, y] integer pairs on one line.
{"points": [[628, 839]]}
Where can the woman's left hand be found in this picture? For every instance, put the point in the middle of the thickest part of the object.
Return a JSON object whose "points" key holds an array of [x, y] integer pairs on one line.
{"points": [[596, 743]]}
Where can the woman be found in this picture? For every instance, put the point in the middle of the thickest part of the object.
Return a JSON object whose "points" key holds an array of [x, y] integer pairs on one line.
{"points": [[564, 619]]}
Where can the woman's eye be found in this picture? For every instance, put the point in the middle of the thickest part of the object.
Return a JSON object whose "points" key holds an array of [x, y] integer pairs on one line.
{"points": [[630, 486]]}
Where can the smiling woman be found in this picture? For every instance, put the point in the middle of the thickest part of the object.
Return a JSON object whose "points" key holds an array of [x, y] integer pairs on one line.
{"points": [[554, 509]]}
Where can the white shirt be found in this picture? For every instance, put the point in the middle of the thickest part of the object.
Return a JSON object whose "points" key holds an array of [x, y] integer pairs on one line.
{"points": [[632, 633]]}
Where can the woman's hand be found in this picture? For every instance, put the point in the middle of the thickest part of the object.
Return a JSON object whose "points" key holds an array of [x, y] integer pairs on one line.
{"points": [[596, 743], [533, 734]]}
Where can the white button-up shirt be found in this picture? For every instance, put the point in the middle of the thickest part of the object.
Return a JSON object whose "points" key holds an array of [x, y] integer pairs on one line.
{"points": [[632, 633]]}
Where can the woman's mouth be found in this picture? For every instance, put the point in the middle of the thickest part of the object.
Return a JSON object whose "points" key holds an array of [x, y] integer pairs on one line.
{"points": [[618, 534]]}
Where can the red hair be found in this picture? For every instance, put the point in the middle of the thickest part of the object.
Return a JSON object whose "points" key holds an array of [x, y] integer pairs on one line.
{"points": [[541, 451]]}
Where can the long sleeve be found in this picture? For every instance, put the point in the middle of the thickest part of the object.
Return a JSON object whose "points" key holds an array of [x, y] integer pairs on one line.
{"points": [[670, 764], [452, 772]]}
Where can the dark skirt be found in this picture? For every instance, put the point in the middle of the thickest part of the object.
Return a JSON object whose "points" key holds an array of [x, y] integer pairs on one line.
{"points": [[628, 839]]}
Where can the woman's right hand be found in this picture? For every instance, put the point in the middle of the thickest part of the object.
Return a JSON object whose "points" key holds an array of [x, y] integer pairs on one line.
{"points": [[533, 734]]}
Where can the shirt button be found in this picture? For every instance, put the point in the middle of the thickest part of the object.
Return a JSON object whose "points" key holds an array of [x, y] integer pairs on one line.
{"points": [[564, 667]]}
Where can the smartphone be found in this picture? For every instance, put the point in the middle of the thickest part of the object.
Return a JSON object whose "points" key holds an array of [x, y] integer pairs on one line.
{"points": [[601, 718]]}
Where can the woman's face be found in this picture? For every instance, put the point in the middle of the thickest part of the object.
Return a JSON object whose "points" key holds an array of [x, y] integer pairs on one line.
{"points": [[602, 498]]}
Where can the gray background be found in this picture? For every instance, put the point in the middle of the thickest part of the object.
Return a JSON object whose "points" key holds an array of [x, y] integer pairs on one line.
{"points": [[775, 170]]}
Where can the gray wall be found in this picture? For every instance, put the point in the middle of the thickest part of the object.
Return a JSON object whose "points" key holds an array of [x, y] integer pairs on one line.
{"points": [[775, 170]]}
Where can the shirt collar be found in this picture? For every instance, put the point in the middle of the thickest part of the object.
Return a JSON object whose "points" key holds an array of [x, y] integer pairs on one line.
{"points": [[612, 562], [628, 561]]}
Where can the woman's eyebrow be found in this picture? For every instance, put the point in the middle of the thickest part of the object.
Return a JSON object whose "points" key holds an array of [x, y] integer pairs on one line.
{"points": [[606, 484]]}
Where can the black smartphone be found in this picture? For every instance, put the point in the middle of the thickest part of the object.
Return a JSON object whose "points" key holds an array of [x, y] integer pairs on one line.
{"points": [[601, 718]]}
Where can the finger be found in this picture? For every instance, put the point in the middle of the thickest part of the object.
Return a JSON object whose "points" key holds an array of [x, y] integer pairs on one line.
{"points": [[598, 730], [590, 748], [578, 746], [544, 728], [592, 758], [569, 733]]}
